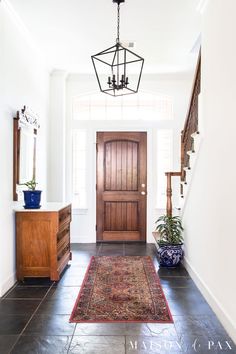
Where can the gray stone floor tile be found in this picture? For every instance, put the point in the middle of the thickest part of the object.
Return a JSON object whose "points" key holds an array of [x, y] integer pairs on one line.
{"points": [[177, 282], [207, 344], [100, 329], [13, 324], [18, 307], [165, 330], [28, 292], [49, 331], [42, 345], [199, 326], [97, 345], [150, 345], [63, 293], [7, 342], [50, 325], [56, 307]]}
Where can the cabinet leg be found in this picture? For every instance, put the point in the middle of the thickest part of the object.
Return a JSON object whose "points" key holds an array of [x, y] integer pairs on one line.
{"points": [[54, 276], [20, 277]]}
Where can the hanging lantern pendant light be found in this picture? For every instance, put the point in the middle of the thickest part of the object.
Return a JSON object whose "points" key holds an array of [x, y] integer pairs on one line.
{"points": [[114, 83], [119, 61]]}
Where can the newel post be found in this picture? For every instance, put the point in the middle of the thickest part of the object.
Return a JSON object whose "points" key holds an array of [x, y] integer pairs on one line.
{"points": [[169, 195]]}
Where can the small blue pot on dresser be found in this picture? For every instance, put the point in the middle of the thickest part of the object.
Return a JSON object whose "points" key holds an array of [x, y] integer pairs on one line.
{"points": [[170, 255], [32, 199]]}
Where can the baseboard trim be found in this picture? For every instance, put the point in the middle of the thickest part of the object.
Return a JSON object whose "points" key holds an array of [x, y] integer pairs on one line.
{"points": [[8, 284], [223, 317]]}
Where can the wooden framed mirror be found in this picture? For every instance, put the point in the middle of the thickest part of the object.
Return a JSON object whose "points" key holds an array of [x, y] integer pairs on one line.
{"points": [[24, 149]]}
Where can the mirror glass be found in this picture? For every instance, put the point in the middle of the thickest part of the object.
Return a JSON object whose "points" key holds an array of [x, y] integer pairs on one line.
{"points": [[27, 146], [25, 138]]}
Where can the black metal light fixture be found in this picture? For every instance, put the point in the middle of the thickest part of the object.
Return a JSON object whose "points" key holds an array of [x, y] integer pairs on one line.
{"points": [[118, 69]]}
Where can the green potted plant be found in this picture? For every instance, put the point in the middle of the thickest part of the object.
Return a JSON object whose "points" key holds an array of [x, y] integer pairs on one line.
{"points": [[32, 197], [170, 241]]}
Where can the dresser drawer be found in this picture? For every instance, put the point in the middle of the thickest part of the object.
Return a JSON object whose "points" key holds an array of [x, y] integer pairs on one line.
{"points": [[64, 216], [63, 233], [63, 243], [65, 250]]}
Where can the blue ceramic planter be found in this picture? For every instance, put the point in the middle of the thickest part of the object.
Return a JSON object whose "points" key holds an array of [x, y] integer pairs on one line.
{"points": [[170, 255], [32, 199]]}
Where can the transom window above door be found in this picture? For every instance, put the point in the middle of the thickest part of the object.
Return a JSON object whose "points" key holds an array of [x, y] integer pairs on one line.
{"points": [[142, 106]]}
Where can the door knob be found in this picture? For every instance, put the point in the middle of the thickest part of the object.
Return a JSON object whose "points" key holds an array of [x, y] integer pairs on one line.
{"points": [[143, 193]]}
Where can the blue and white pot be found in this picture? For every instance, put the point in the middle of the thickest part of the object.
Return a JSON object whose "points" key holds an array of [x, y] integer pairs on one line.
{"points": [[32, 199], [170, 255]]}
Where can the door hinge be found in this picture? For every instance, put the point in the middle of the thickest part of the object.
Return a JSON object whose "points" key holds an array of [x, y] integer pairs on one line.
{"points": [[96, 227]]}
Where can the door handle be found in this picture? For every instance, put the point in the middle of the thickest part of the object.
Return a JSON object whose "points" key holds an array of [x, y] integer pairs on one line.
{"points": [[143, 193]]}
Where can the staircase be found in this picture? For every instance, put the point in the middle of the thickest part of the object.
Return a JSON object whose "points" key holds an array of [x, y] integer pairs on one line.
{"points": [[190, 145], [189, 170]]}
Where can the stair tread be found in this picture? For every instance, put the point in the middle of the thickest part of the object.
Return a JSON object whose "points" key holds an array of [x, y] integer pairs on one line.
{"points": [[191, 152], [193, 135]]}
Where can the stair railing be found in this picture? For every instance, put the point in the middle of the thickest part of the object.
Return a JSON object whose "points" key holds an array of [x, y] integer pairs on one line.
{"points": [[169, 176], [187, 142]]}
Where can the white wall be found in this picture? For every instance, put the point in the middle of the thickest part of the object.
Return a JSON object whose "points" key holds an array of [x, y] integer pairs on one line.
{"points": [[23, 81], [209, 215], [56, 137], [178, 86]]}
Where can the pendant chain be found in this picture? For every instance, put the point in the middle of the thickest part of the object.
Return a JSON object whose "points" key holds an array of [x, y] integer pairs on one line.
{"points": [[118, 23]]}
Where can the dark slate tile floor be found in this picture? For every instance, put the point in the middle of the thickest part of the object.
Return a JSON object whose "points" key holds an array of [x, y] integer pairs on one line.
{"points": [[34, 315]]}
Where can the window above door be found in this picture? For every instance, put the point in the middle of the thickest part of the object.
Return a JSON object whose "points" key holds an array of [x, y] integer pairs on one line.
{"points": [[143, 106]]}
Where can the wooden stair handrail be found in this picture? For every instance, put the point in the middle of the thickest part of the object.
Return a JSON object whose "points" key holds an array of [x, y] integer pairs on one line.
{"points": [[190, 127], [195, 81], [191, 121]]}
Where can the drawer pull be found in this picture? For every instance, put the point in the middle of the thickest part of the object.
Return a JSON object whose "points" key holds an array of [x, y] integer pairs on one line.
{"points": [[64, 215], [63, 252], [62, 234]]}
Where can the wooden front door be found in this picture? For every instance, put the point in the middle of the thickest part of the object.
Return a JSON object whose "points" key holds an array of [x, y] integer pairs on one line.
{"points": [[121, 186]]}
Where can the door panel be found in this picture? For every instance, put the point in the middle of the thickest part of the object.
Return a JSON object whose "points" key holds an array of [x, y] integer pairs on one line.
{"points": [[121, 177], [121, 216], [121, 166]]}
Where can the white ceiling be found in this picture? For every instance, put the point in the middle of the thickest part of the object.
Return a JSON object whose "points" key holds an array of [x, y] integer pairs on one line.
{"points": [[70, 31]]}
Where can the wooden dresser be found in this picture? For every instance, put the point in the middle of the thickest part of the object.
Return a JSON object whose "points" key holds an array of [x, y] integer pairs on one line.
{"points": [[43, 241]]}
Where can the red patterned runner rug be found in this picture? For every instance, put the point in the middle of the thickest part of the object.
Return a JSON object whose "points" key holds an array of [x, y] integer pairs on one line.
{"points": [[121, 289]]}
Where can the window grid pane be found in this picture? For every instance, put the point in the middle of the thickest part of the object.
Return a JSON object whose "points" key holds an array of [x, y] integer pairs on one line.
{"points": [[142, 106], [79, 169], [164, 163]]}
